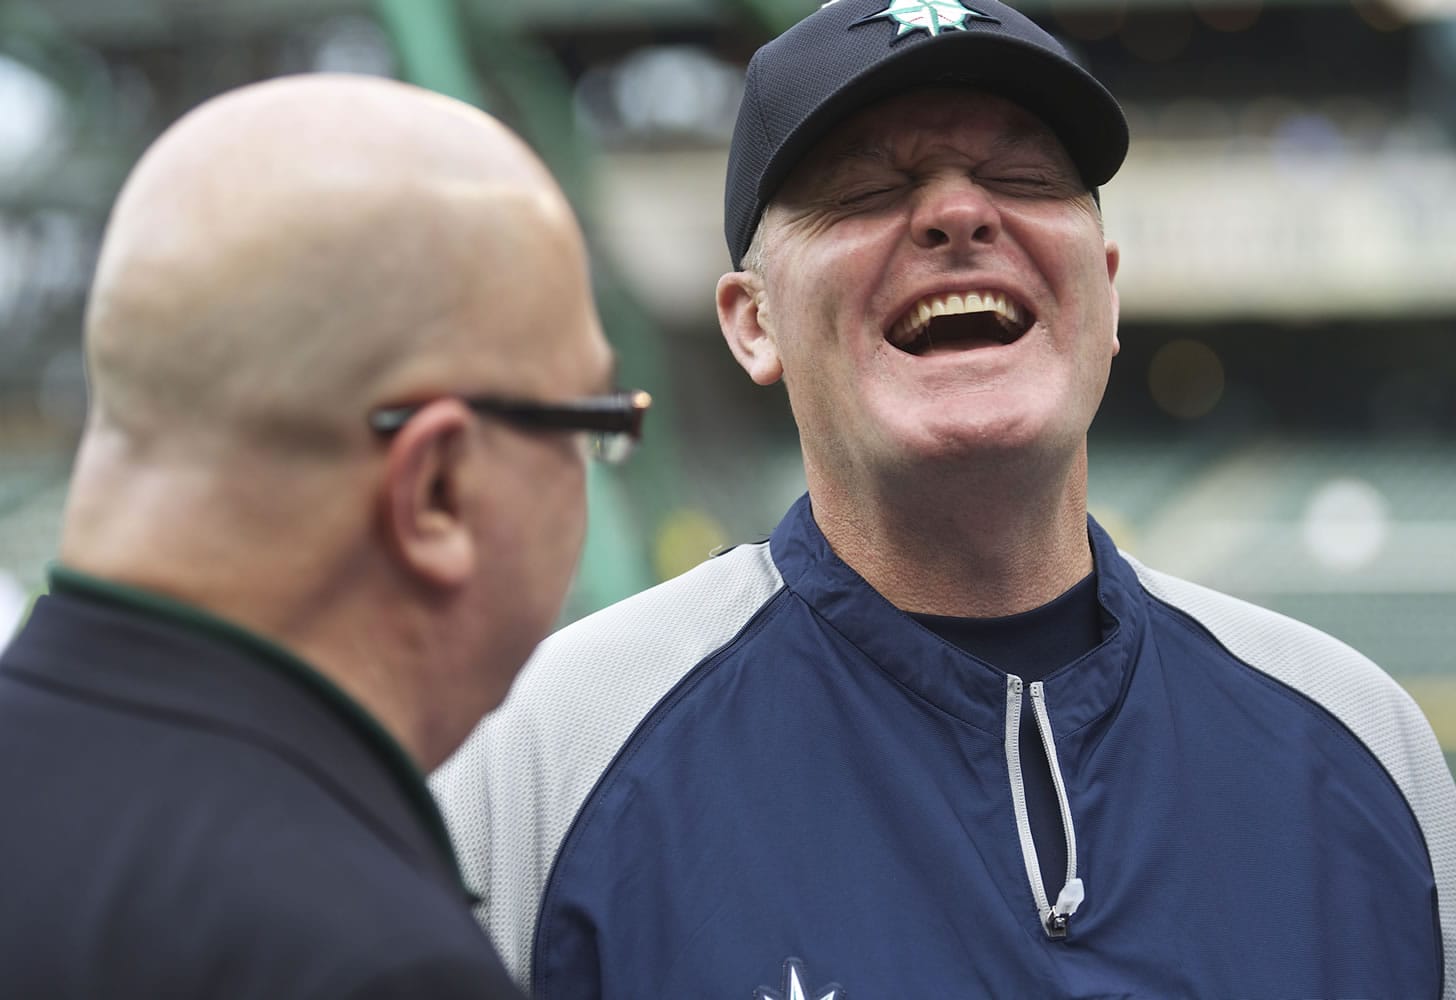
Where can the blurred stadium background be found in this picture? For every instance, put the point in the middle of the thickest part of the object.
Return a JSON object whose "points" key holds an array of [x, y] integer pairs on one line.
{"points": [[1281, 423]]}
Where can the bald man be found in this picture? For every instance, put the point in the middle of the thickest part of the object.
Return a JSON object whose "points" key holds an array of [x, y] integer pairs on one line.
{"points": [[345, 373]]}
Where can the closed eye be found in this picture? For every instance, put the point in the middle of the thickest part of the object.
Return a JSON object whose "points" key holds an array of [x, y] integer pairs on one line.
{"points": [[863, 196], [1018, 181], [1034, 185]]}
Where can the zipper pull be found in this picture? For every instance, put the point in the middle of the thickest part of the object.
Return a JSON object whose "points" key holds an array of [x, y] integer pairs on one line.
{"points": [[1068, 900]]}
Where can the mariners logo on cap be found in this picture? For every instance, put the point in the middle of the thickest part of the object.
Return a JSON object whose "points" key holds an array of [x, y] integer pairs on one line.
{"points": [[930, 16]]}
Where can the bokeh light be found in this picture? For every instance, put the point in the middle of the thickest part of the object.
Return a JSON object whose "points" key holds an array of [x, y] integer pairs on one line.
{"points": [[1228, 17], [685, 538], [1379, 15], [352, 45], [1186, 379], [1345, 524], [1158, 35], [660, 91], [1090, 24], [32, 113]]}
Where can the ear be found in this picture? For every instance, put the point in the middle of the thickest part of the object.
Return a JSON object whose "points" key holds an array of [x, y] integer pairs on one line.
{"points": [[1114, 258], [743, 317], [427, 495]]}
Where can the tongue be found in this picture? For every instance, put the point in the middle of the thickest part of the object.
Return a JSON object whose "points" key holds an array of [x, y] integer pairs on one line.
{"points": [[958, 345], [963, 332]]}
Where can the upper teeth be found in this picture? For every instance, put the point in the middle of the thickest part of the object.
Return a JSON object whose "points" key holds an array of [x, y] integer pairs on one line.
{"points": [[919, 315]]}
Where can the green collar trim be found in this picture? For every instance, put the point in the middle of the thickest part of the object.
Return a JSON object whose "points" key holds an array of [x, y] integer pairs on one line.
{"points": [[64, 580]]}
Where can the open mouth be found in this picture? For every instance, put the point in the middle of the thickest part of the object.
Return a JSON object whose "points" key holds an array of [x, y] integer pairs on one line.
{"points": [[959, 322]]}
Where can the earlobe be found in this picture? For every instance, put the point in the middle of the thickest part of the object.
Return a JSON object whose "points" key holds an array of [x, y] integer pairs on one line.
{"points": [[1114, 259], [744, 320], [427, 498]]}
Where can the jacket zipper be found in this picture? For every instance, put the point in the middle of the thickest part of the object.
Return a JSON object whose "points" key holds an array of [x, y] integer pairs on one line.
{"points": [[1054, 918]]}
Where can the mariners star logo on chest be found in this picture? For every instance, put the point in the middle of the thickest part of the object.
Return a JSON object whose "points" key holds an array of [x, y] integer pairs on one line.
{"points": [[794, 987], [930, 16]]}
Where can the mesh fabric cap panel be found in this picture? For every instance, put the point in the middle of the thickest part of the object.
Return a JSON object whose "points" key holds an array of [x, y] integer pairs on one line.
{"points": [[522, 776], [1358, 693]]}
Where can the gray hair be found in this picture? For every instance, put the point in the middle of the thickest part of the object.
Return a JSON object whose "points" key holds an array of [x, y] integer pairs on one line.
{"points": [[755, 257]]}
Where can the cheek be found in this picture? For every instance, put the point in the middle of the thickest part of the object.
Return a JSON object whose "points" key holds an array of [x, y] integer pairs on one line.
{"points": [[817, 318], [1087, 298], [549, 514], [821, 299], [573, 525], [561, 509], [575, 519]]}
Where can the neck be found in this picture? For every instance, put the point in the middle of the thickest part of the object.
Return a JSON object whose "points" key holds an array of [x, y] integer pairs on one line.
{"points": [[969, 545], [290, 571]]}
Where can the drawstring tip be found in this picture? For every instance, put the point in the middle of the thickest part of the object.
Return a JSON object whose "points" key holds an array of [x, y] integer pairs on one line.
{"points": [[1070, 897], [1068, 900]]}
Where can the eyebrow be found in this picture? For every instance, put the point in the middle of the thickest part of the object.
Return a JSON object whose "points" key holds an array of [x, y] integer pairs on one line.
{"points": [[1032, 136], [875, 155]]}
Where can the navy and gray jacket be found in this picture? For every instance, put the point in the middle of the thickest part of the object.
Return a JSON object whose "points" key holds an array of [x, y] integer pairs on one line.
{"points": [[761, 779]]}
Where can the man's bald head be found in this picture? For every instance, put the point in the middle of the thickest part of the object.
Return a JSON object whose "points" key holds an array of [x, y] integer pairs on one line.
{"points": [[289, 250], [284, 260]]}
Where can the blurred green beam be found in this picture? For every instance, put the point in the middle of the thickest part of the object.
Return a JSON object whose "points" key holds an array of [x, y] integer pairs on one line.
{"points": [[429, 38], [432, 40], [775, 16], [628, 504], [614, 559]]}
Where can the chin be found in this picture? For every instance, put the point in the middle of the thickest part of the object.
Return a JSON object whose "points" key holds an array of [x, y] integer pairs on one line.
{"points": [[953, 430], [991, 451]]}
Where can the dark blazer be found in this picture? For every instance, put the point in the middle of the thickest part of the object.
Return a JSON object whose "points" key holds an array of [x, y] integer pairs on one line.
{"points": [[187, 810]]}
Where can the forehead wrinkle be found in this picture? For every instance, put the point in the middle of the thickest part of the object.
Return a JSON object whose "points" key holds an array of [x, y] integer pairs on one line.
{"points": [[862, 150], [1028, 134]]}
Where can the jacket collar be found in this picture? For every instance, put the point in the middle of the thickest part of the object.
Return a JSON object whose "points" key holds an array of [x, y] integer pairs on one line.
{"points": [[955, 681], [159, 654]]}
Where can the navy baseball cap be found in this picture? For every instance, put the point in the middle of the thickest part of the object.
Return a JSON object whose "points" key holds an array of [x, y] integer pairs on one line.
{"points": [[850, 53]]}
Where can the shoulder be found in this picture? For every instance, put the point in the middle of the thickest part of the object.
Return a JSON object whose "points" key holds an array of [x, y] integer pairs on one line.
{"points": [[604, 672], [512, 791], [1346, 684], [685, 618], [1315, 663]]}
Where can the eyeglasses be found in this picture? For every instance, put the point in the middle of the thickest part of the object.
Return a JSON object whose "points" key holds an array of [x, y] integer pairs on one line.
{"points": [[612, 423]]}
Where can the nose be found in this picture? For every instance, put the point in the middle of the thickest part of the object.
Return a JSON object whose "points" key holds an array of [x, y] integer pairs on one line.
{"points": [[953, 212]]}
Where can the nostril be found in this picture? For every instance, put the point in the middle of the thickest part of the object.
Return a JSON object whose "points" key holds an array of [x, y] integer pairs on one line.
{"points": [[934, 236]]}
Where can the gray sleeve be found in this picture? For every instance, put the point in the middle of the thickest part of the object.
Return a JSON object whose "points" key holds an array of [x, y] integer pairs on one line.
{"points": [[511, 792]]}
